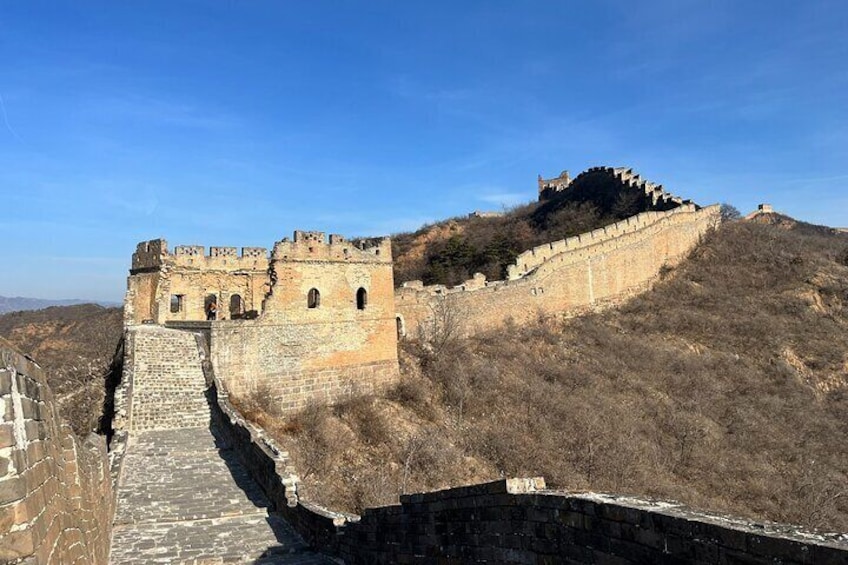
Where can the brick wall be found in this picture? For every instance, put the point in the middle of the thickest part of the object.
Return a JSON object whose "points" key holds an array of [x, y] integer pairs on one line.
{"points": [[517, 521], [296, 353], [55, 490], [297, 362], [294, 349], [581, 273]]}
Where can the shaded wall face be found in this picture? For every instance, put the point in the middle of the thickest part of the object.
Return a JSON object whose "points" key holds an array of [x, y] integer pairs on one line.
{"points": [[497, 523], [295, 353], [141, 298], [55, 490]]}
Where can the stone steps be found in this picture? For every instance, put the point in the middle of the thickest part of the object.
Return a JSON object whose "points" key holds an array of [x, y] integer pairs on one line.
{"points": [[169, 388]]}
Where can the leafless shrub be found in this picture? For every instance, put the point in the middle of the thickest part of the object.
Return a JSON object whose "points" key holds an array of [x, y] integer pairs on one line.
{"points": [[259, 399], [408, 392], [443, 328], [362, 414]]}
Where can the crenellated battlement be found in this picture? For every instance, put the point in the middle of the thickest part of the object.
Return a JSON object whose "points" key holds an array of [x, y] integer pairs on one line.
{"points": [[548, 188], [154, 254], [616, 180], [313, 246], [529, 261]]}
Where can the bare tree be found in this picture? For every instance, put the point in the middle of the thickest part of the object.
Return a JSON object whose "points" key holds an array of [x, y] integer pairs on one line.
{"points": [[443, 327], [729, 212]]}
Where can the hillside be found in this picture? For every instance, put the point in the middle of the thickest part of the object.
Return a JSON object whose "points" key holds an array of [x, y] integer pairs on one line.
{"points": [[725, 387], [75, 345]]}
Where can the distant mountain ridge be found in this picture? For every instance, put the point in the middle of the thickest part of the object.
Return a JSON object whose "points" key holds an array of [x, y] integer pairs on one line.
{"points": [[20, 303]]}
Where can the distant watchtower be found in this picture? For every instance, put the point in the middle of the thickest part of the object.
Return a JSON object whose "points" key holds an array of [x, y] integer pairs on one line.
{"points": [[549, 187]]}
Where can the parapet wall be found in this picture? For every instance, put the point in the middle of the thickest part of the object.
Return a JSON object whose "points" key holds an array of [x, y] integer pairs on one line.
{"points": [[571, 275], [593, 183], [313, 246], [154, 254], [56, 500], [518, 521]]}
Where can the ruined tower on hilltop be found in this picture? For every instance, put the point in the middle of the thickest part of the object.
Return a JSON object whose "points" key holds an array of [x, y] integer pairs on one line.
{"points": [[315, 320]]}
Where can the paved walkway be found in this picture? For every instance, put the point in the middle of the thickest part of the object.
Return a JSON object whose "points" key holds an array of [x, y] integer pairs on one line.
{"points": [[183, 496]]}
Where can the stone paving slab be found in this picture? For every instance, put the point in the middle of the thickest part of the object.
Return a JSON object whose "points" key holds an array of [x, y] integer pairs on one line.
{"points": [[168, 381], [171, 475], [260, 539], [184, 497]]}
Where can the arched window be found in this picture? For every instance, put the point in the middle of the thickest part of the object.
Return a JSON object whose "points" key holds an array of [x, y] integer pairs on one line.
{"points": [[401, 326], [361, 298], [313, 299], [235, 306]]}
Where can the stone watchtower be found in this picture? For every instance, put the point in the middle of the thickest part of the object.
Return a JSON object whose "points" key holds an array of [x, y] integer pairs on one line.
{"points": [[315, 320]]}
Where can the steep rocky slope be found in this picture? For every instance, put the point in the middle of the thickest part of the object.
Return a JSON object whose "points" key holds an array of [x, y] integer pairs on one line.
{"points": [[725, 387]]}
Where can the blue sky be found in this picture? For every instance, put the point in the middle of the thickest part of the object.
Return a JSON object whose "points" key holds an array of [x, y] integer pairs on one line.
{"points": [[234, 123]]}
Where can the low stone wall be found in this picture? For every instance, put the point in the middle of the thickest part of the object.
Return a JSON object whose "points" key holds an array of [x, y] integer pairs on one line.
{"points": [[270, 467], [517, 521], [56, 500]]}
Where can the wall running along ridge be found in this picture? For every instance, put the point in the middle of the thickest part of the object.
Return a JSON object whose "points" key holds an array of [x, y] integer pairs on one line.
{"points": [[55, 490], [571, 275]]}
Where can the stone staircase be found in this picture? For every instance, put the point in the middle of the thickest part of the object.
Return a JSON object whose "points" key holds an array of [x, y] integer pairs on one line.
{"points": [[168, 382], [183, 495]]}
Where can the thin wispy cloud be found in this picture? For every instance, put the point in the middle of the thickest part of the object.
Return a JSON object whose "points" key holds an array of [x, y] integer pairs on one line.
{"points": [[6, 120], [107, 261]]}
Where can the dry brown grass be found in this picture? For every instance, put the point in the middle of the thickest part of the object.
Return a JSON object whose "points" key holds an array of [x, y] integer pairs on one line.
{"points": [[726, 387]]}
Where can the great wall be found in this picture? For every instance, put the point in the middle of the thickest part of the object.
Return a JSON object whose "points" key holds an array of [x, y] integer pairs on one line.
{"points": [[187, 479]]}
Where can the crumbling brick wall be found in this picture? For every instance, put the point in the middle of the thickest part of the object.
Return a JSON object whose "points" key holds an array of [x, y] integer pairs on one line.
{"points": [[55, 490], [177, 286]]}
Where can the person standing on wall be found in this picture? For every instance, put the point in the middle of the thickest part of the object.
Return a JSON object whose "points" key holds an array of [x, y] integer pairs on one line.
{"points": [[211, 310]]}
